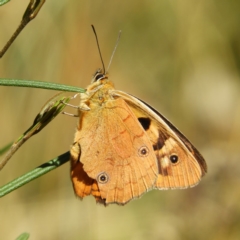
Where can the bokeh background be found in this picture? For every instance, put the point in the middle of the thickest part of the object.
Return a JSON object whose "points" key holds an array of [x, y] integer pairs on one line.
{"points": [[182, 57]]}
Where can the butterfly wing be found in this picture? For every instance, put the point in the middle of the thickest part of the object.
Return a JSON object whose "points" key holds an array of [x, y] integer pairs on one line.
{"points": [[180, 165], [83, 185], [115, 152]]}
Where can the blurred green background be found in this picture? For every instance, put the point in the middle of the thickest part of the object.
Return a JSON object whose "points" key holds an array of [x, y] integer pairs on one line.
{"points": [[182, 57]]}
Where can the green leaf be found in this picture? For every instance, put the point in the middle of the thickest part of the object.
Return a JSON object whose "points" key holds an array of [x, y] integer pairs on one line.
{"points": [[2, 2], [39, 84], [23, 236], [35, 173]]}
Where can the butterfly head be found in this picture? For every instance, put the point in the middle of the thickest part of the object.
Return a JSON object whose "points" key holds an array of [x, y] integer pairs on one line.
{"points": [[99, 75], [98, 92]]}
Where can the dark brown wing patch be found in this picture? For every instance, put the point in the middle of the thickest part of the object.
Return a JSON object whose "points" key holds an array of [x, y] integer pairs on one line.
{"points": [[145, 122]]}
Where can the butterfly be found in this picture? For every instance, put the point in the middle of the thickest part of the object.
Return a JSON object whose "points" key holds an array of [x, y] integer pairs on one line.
{"points": [[123, 148]]}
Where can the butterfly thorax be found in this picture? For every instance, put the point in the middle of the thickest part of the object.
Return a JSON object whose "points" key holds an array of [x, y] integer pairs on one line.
{"points": [[97, 94]]}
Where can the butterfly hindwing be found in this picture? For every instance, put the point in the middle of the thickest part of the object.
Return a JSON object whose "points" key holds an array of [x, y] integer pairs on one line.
{"points": [[180, 165]]}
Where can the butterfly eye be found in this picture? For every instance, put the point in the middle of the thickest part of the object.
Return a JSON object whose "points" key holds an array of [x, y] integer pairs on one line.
{"points": [[174, 158], [143, 151], [102, 178], [99, 76]]}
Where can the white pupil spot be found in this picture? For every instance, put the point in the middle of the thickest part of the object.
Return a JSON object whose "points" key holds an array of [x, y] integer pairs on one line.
{"points": [[143, 151], [174, 158], [102, 178]]}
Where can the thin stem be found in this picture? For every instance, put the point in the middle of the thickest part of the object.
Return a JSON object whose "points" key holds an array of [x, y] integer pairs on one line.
{"points": [[31, 12]]}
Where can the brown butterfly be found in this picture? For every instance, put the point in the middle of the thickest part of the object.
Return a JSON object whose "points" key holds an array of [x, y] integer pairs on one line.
{"points": [[124, 148]]}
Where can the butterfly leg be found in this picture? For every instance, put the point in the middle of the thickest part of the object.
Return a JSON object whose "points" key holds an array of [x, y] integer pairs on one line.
{"points": [[71, 105], [84, 97], [70, 114], [82, 107]]}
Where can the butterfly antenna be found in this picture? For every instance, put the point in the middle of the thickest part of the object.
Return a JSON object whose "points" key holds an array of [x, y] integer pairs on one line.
{"points": [[99, 48], [115, 48]]}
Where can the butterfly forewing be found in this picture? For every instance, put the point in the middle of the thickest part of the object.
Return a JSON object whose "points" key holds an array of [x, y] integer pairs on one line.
{"points": [[114, 149]]}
